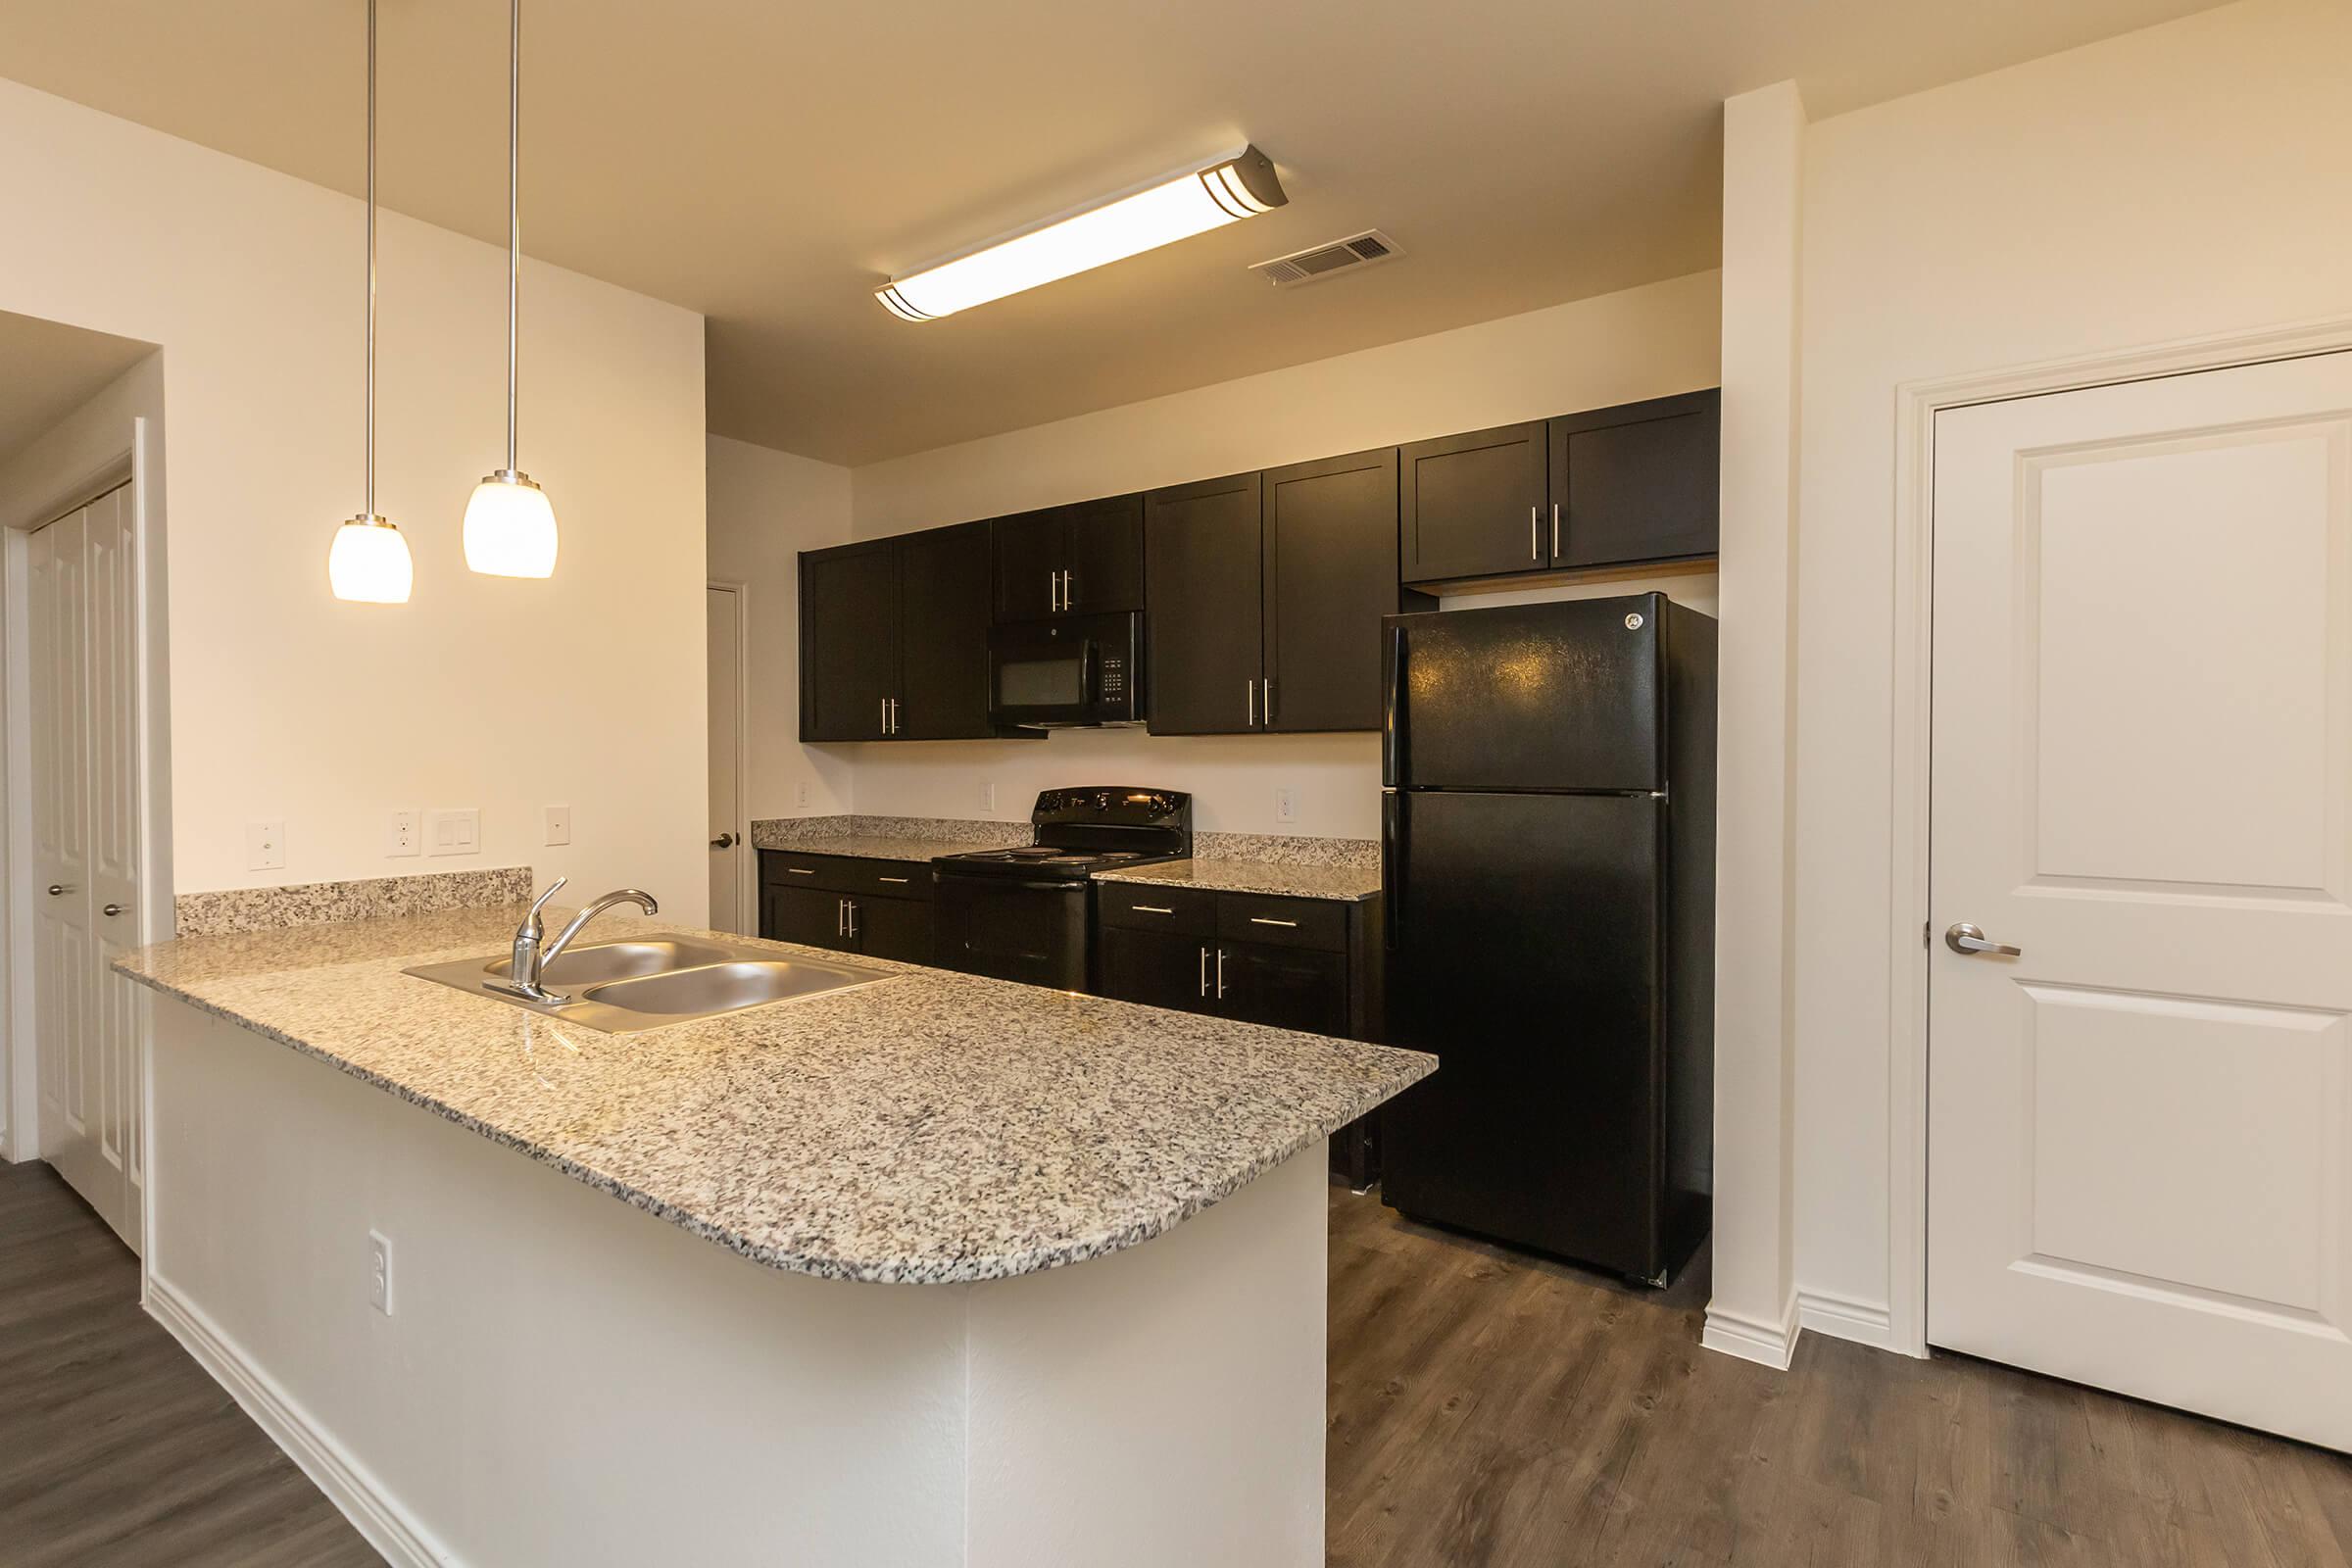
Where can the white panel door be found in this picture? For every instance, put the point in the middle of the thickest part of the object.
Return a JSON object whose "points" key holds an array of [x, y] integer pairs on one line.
{"points": [[117, 1007], [2141, 1126], [63, 952], [724, 628]]}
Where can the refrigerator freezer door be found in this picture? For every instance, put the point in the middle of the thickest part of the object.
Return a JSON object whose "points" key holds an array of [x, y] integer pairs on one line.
{"points": [[1528, 696], [1527, 957]]}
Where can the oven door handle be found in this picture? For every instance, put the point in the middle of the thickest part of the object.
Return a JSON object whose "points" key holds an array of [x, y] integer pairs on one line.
{"points": [[1002, 882]]}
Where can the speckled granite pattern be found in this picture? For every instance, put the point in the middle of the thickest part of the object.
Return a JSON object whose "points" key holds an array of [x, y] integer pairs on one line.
{"points": [[887, 847], [1278, 849], [244, 909], [957, 834], [1345, 883], [935, 1128]]}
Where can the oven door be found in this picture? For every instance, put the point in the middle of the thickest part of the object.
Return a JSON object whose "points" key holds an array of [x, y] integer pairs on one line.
{"points": [[1012, 928], [1063, 674]]}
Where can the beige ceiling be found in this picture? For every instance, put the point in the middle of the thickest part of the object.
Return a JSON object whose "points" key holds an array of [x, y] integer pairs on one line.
{"points": [[48, 370], [767, 164]]}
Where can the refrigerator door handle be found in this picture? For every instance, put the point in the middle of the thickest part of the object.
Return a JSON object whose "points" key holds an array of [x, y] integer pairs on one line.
{"points": [[1391, 727], [1392, 828]]}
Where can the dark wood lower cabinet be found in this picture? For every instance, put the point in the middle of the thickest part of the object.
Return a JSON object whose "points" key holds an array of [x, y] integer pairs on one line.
{"points": [[828, 901], [1163, 949]]}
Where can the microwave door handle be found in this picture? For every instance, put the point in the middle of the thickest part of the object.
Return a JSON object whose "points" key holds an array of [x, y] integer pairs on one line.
{"points": [[1086, 677]]}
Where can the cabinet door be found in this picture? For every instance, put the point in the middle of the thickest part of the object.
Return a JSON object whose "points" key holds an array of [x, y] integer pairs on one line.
{"points": [[802, 914], [893, 928], [1029, 553], [848, 641], [1160, 968], [1639, 482], [1106, 561], [1289, 987], [1203, 660], [1329, 542], [1473, 506], [943, 647]]}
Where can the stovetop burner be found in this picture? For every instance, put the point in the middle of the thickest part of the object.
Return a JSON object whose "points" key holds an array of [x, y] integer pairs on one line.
{"points": [[1077, 829]]}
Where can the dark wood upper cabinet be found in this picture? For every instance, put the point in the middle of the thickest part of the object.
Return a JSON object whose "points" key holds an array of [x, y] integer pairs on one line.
{"points": [[848, 641], [894, 638], [1472, 505], [1203, 659], [1106, 556], [943, 617], [1084, 559], [1638, 482], [1330, 548]]}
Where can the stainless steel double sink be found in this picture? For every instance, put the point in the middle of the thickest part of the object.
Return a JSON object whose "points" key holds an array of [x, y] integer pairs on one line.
{"points": [[629, 985]]}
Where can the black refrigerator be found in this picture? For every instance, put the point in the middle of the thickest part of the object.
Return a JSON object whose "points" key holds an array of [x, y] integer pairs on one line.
{"points": [[1549, 841]]}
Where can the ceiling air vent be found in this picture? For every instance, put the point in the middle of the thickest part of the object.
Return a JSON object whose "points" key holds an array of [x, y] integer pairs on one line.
{"points": [[1321, 261]]}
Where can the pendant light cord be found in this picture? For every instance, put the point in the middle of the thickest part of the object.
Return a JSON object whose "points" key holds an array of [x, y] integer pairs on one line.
{"points": [[514, 209], [371, 258]]}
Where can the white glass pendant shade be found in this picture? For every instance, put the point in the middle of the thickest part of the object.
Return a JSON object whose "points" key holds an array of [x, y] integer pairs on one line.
{"points": [[368, 562], [510, 527]]}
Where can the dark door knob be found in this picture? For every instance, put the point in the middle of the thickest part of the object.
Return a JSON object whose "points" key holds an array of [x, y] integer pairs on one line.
{"points": [[725, 841], [111, 909], [57, 889]]}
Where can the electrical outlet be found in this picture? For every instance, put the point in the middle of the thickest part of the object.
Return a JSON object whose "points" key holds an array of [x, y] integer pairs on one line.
{"points": [[379, 1272], [265, 846], [402, 835], [453, 832], [803, 795], [1286, 804], [988, 798], [558, 825]]}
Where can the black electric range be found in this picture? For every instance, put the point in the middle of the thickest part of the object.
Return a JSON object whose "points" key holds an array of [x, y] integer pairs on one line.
{"points": [[1027, 914]]}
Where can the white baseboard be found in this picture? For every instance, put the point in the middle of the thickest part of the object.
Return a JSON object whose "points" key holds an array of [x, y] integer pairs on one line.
{"points": [[372, 1512], [1753, 1338], [1843, 1317]]}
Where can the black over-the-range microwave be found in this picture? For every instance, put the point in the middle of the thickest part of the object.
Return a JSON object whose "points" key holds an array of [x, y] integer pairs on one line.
{"points": [[1075, 670]]}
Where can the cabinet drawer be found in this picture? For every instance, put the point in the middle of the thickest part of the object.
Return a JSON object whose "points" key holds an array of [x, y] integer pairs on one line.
{"points": [[887, 879], [1319, 923], [846, 873], [1138, 907]]}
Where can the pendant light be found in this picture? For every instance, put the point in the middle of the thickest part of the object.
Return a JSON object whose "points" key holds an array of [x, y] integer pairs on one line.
{"points": [[509, 526], [368, 561]]}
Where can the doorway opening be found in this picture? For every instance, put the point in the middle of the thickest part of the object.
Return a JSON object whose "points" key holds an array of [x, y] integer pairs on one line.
{"points": [[731, 883], [87, 852]]}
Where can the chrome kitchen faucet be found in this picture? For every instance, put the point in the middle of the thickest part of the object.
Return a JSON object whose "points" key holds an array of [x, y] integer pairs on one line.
{"points": [[531, 958]]}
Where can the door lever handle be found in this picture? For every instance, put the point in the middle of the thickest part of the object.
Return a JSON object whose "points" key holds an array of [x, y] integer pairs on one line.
{"points": [[725, 841], [1966, 938]]}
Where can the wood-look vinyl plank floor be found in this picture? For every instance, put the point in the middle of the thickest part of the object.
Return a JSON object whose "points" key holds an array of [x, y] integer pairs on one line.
{"points": [[1486, 1410], [116, 1449]]}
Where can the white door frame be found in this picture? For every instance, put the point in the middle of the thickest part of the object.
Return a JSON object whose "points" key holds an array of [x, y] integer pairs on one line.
{"points": [[746, 886], [1917, 405]]}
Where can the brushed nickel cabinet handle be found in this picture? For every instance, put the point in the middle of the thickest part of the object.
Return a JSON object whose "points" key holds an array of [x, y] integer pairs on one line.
{"points": [[1259, 919], [1556, 530], [1150, 909], [798, 870], [1205, 971], [1220, 974], [893, 879], [1534, 534]]}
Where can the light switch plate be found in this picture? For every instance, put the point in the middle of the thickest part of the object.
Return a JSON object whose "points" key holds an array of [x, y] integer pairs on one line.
{"points": [[988, 798], [1286, 804], [379, 1272], [454, 832], [265, 845], [558, 825], [803, 795], [404, 833]]}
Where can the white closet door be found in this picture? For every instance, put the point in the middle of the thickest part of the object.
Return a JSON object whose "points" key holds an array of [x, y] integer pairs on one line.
{"points": [[113, 711], [82, 633], [2140, 1140]]}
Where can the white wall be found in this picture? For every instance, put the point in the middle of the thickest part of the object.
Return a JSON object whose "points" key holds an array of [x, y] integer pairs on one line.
{"points": [[286, 703], [2190, 180], [765, 507], [1642, 343]]}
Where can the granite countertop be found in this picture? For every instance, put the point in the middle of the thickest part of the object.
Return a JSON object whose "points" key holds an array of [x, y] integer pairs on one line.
{"points": [[884, 847], [1278, 878], [934, 1128]]}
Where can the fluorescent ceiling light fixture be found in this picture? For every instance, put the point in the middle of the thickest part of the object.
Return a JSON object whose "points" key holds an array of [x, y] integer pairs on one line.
{"points": [[1191, 200]]}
